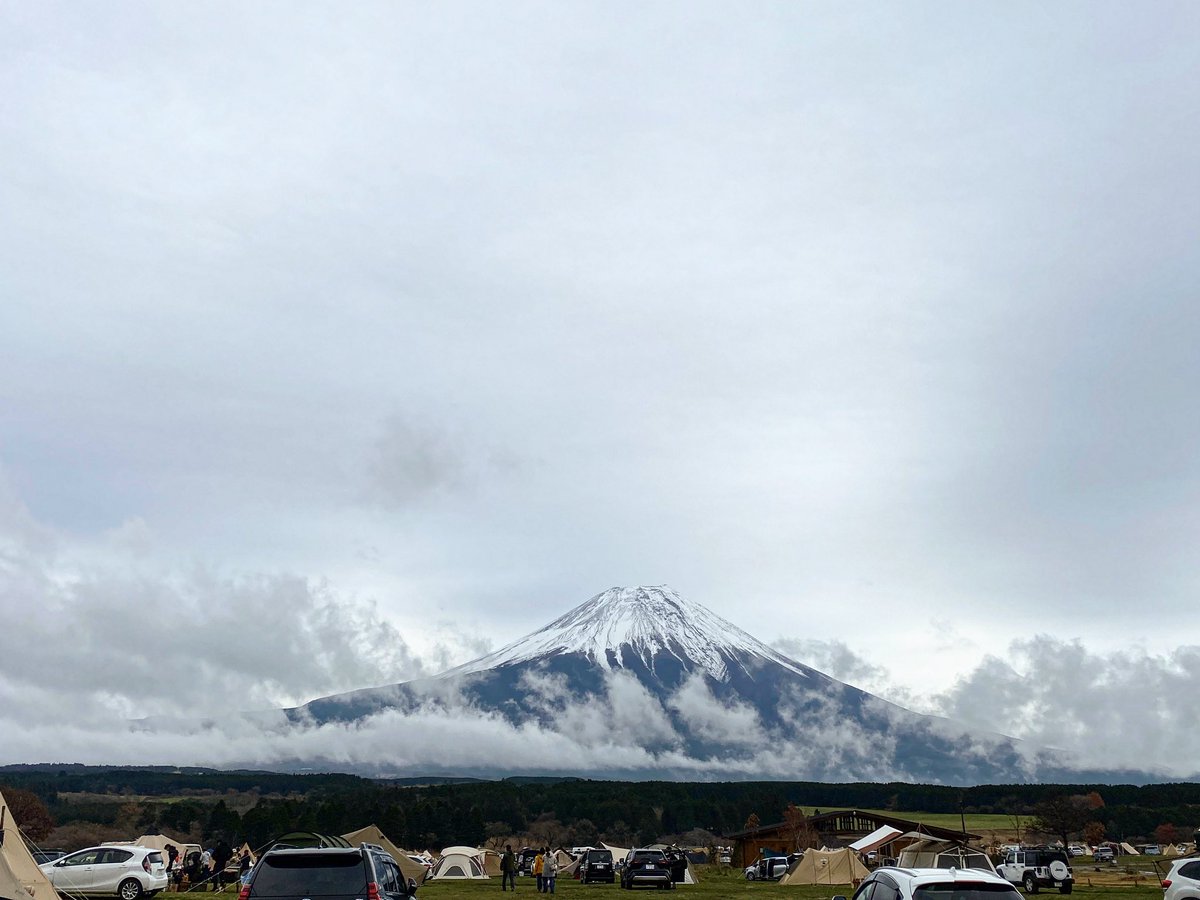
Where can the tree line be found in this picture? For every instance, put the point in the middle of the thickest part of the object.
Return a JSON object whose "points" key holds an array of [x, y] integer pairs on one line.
{"points": [[207, 805]]}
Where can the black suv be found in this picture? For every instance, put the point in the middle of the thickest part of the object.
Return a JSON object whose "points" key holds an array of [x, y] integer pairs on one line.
{"points": [[646, 867], [328, 873], [597, 865]]}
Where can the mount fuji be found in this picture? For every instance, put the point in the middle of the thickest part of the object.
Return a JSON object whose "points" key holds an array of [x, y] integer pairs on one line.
{"points": [[698, 696]]}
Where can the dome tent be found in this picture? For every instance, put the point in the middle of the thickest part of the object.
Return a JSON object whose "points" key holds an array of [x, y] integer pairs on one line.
{"points": [[458, 863]]}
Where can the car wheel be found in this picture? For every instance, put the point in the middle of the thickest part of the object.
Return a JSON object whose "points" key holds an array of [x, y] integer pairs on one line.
{"points": [[129, 889], [1030, 884]]}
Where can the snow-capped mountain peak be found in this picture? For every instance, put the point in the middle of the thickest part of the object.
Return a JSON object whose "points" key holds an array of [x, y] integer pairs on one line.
{"points": [[645, 620]]}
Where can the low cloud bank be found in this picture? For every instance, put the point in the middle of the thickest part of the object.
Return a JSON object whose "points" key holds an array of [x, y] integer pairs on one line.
{"points": [[101, 634]]}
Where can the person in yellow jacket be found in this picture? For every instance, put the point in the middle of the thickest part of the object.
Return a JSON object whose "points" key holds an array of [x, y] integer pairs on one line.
{"points": [[538, 862]]}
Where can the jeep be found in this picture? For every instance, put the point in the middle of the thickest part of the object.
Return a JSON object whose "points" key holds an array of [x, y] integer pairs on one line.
{"points": [[1038, 867]]}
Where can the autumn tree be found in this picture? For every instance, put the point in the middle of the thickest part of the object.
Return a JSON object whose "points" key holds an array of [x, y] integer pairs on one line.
{"points": [[1062, 816], [752, 823], [30, 813], [1094, 832], [1166, 833]]}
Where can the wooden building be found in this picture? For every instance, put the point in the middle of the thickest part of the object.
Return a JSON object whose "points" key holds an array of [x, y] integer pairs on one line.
{"points": [[839, 828]]}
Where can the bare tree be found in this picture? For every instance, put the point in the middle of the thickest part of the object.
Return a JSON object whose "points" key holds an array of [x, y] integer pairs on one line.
{"points": [[800, 833]]}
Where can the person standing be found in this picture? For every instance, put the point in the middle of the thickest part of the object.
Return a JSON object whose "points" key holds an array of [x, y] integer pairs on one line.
{"points": [[508, 869], [538, 862], [222, 854], [549, 871]]}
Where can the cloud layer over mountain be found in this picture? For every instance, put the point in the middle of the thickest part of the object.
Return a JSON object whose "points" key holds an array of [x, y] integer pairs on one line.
{"points": [[109, 635]]}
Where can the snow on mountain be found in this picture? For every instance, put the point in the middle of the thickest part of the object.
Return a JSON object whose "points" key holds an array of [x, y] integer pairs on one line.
{"points": [[648, 621]]}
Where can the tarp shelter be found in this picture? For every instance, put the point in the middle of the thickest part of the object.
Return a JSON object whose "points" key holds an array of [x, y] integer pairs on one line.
{"points": [[1128, 850], [20, 877], [457, 866], [930, 854], [159, 842], [563, 858], [372, 835], [619, 853], [882, 835], [840, 866]]}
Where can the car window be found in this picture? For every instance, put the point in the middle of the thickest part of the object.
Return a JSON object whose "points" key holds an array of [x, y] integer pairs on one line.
{"points": [[308, 875], [599, 856], [885, 892], [965, 890], [865, 892], [1190, 870], [112, 856], [86, 858]]}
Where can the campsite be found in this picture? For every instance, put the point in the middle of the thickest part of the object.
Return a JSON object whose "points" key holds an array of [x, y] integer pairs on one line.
{"points": [[193, 811]]}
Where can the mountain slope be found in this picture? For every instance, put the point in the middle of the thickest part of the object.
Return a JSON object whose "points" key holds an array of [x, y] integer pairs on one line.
{"points": [[693, 693]]}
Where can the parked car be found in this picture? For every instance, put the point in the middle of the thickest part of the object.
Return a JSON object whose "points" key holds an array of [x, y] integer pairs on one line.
{"points": [[1076, 850], [644, 867], [768, 868], [327, 873], [128, 872], [887, 883], [597, 865], [525, 858], [1105, 854], [1183, 880], [1038, 867]]}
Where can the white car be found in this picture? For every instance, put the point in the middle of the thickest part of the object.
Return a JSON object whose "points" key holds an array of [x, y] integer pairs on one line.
{"points": [[128, 872], [1183, 880], [893, 883]]}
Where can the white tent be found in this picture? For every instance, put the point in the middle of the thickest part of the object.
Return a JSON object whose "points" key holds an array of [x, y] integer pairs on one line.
{"points": [[20, 877], [1128, 850], [458, 866]]}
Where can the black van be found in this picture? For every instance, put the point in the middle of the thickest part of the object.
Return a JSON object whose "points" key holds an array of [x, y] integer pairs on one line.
{"points": [[327, 873], [597, 865]]}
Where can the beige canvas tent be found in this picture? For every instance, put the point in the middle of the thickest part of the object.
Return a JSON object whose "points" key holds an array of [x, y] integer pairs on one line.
{"points": [[490, 860], [932, 854], [826, 867], [372, 835], [20, 877], [1128, 849]]}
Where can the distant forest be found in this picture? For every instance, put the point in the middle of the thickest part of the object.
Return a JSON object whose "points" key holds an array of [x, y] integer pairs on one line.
{"points": [[88, 803]]}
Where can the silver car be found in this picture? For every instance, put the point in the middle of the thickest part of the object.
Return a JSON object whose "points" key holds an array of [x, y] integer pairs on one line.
{"points": [[128, 872]]}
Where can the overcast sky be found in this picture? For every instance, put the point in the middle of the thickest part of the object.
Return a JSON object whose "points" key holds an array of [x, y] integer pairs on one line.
{"points": [[342, 342]]}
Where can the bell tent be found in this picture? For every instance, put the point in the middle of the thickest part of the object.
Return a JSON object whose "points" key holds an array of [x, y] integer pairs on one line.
{"points": [[20, 877]]}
